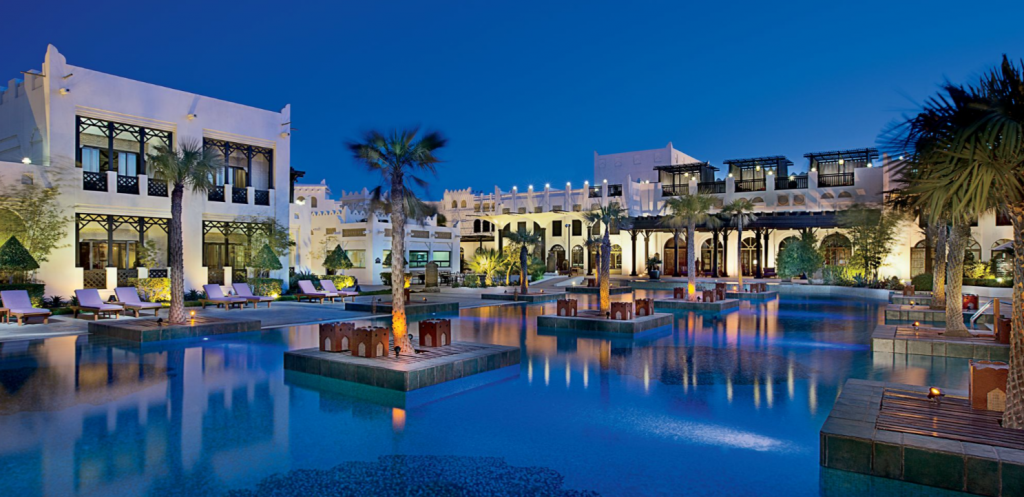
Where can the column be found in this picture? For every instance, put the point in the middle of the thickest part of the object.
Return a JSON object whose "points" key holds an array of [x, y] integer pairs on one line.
{"points": [[632, 238]]}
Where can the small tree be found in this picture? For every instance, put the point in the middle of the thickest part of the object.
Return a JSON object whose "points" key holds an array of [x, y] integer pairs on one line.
{"points": [[337, 260], [265, 261], [873, 233], [800, 256], [146, 256], [15, 259]]}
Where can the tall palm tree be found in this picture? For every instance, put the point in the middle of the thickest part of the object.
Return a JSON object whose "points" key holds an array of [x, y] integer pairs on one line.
{"points": [[524, 241], [607, 215], [192, 166], [741, 211], [399, 157], [686, 211], [940, 233], [716, 224]]}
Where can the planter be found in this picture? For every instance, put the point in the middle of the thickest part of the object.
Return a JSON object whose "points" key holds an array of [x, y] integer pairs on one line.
{"points": [[654, 274]]}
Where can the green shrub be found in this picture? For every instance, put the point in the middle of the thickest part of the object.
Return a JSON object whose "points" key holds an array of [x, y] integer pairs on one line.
{"points": [[922, 282], [990, 282], [385, 277], [799, 257], [838, 275], [266, 286], [341, 280], [35, 291], [472, 280], [293, 281], [976, 270], [152, 289]]}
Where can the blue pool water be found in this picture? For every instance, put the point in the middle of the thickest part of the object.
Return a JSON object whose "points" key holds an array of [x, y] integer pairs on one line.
{"points": [[715, 406]]}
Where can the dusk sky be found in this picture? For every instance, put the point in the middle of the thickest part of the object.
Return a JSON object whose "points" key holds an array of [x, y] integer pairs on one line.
{"points": [[527, 91]]}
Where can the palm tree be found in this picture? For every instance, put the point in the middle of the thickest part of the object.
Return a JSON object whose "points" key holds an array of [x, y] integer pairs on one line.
{"points": [[485, 262], [716, 224], [741, 211], [399, 157], [524, 240], [191, 166], [687, 211], [607, 215]]}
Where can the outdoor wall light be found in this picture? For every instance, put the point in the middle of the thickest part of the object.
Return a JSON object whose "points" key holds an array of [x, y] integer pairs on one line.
{"points": [[515, 188], [26, 160], [531, 187], [65, 91], [935, 394], [841, 161], [757, 168], [547, 185], [605, 181], [730, 175], [901, 157], [814, 169], [377, 261], [870, 165]]}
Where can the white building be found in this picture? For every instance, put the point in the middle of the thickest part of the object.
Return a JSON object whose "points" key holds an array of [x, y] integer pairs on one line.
{"points": [[90, 132], [320, 223], [641, 181]]}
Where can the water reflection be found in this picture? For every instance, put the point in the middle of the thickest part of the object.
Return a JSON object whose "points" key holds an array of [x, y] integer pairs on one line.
{"points": [[89, 416]]}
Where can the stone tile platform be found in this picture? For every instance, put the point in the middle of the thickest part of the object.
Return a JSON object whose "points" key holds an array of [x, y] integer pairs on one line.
{"points": [[905, 339], [148, 330], [408, 372], [686, 305], [615, 290], [910, 313], [593, 321], [532, 297], [916, 299], [894, 431], [752, 295], [415, 307]]}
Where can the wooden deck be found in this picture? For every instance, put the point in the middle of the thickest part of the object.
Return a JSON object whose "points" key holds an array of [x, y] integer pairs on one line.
{"points": [[953, 419], [929, 333]]}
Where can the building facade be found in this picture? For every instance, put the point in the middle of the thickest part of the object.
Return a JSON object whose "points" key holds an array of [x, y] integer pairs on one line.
{"points": [[786, 202], [89, 134]]}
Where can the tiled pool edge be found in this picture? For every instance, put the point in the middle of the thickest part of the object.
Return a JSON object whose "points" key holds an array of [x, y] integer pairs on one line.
{"points": [[529, 298], [594, 324], [685, 305], [849, 441], [883, 339]]}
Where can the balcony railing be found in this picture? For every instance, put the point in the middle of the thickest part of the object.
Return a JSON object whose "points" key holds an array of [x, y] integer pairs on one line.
{"points": [[215, 276], [750, 185], [791, 183], [839, 179], [128, 184], [157, 188], [261, 197], [96, 182], [711, 187], [595, 191], [614, 190], [239, 275], [123, 275], [671, 190], [216, 194], [239, 196], [94, 278], [158, 273]]}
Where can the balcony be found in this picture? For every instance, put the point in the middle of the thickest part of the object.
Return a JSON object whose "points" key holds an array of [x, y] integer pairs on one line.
{"points": [[671, 190], [216, 194], [261, 197], [156, 188], [791, 183], [839, 179], [711, 187], [94, 182], [614, 190], [595, 192], [128, 184], [750, 185], [239, 196]]}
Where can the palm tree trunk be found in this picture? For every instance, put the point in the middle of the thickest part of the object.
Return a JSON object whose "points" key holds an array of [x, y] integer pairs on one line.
{"points": [[958, 237], [522, 269], [939, 234], [691, 263], [1013, 417], [739, 253], [605, 273], [177, 312], [399, 323], [675, 252]]}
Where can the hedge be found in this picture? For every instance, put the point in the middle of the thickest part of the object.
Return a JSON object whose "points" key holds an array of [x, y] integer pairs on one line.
{"points": [[922, 282], [152, 289], [340, 280], [266, 286], [35, 291]]}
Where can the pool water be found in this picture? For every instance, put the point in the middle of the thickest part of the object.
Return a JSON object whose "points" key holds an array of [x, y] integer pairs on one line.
{"points": [[715, 406]]}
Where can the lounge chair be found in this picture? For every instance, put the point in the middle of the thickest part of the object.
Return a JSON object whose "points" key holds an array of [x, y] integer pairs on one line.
{"points": [[19, 305], [243, 291], [128, 296], [215, 297], [330, 288], [310, 293], [89, 301]]}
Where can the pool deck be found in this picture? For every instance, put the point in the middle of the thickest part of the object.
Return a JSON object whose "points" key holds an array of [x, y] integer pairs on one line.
{"points": [[593, 290], [894, 431], [533, 297], [686, 305], [148, 330], [593, 321], [752, 295], [924, 340], [905, 313], [919, 298], [415, 307], [428, 367]]}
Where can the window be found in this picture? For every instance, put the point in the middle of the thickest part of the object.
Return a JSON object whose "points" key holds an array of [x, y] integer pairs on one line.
{"points": [[418, 258], [358, 257], [443, 259], [109, 146], [487, 226], [91, 159], [577, 227], [312, 202], [331, 231], [386, 261], [455, 204], [463, 204], [521, 226], [596, 229], [250, 165], [127, 164], [476, 226], [556, 228]]}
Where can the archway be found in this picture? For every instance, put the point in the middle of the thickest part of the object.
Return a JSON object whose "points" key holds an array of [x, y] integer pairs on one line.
{"points": [[918, 258], [973, 251], [706, 257], [556, 259], [616, 264], [748, 256], [670, 256], [577, 257], [1002, 260], [837, 249]]}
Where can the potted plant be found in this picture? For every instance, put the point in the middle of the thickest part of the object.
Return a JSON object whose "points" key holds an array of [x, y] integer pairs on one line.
{"points": [[652, 267]]}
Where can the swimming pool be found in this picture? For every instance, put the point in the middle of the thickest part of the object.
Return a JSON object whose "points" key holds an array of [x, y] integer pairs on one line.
{"points": [[714, 406]]}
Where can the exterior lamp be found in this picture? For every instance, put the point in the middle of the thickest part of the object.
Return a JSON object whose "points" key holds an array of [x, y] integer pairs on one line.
{"points": [[935, 394], [841, 161], [999, 280], [870, 165], [531, 187], [757, 168], [547, 185], [814, 169], [605, 181], [901, 157], [792, 177], [568, 184], [26, 160], [730, 175]]}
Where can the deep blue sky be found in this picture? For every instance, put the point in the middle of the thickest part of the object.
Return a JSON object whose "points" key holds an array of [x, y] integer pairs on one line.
{"points": [[527, 91]]}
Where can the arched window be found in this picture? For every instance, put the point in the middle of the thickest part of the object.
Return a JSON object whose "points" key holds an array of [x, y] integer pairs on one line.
{"points": [[556, 259], [616, 258], [455, 204], [577, 256], [669, 261], [918, 258], [312, 202], [973, 251], [476, 226], [748, 256], [757, 200], [487, 227], [837, 249], [463, 204], [1002, 259], [707, 258], [845, 194], [827, 195]]}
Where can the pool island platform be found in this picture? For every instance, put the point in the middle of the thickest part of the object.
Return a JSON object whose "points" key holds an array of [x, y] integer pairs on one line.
{"points": [[416, 306], [752, 295], [594, 290], [895, 431], [924, 340], [593, 321], [697, 306], [427, 367], [155, 329], [531, 298]]}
